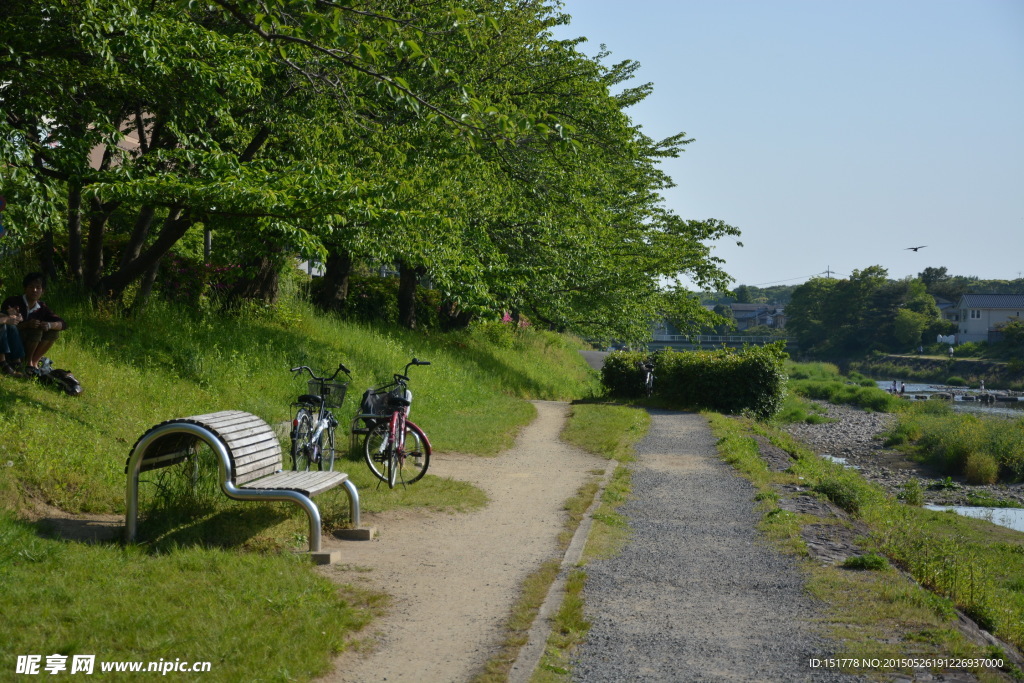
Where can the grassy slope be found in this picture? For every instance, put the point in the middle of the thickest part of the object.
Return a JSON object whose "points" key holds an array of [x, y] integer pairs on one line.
{"points": [[69, 453]]}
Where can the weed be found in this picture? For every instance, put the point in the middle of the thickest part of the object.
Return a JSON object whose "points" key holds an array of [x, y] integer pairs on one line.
{"points": [[842, 492], [871, 562], [912, 493]]}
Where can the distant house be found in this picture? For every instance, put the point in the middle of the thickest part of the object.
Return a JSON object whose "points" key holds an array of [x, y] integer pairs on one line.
{"points": [[980, 313], [947, 309], [753, 315]]}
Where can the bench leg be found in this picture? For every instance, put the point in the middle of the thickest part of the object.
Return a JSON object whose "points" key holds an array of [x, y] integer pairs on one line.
{"points": [[353, 502]]}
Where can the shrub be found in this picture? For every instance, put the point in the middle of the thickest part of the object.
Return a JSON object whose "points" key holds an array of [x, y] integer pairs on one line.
{"points": [[981, 468], [725, 380], [912, 493], [870, 562], [841, 492]]}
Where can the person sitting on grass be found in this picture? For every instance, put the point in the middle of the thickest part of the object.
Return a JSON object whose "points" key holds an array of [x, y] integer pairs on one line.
{"points": [[39, 326], [11, 351]]}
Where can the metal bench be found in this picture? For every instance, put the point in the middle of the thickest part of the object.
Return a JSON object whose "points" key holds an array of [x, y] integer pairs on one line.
{"points": [[249, 464]]}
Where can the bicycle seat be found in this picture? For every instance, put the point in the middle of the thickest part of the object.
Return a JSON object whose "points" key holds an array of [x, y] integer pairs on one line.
{"points": [[308, 398], [401, 402]]}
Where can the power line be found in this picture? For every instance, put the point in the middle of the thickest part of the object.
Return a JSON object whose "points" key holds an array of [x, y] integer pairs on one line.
{"points": [[828, 272]]}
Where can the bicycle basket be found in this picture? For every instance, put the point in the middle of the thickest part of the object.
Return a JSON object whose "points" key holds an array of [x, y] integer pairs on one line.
{"points": [[333, 392]]}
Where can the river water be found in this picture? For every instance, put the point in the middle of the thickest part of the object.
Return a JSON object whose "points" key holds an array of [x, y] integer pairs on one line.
{"points": [[1013, 408], [1012, 518]]}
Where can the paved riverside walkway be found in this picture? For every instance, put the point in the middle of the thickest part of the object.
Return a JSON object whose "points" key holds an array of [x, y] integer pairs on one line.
{"points": [[697, 594]]}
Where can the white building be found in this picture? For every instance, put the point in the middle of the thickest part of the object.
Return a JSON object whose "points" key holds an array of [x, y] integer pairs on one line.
{"points": [[980, 313]]}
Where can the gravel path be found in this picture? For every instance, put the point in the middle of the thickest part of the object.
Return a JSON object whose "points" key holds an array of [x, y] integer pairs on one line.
{"points": [[697, 595]]}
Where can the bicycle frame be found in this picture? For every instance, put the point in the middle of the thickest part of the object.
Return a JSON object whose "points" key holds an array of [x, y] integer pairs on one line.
{"points": [[323, 419]]}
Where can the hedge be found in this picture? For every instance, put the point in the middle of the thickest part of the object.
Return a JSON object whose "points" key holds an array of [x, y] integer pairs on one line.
{"points": [[725, 380]]}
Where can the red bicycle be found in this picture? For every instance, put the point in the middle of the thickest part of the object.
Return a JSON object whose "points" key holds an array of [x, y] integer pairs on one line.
{"points": [[396, 450]]}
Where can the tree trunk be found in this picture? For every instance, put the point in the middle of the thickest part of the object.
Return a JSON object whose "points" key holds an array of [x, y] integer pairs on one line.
{"points": [[263, 285], [139, 234], [145, 289], [174, 228], [407, 279], [337, 273], [99, 217], [75, 230], [46, 262]]}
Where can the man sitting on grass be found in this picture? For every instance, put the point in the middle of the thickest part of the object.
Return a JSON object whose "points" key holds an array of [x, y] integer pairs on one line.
{"points": [[11, 351], [39, 326]]}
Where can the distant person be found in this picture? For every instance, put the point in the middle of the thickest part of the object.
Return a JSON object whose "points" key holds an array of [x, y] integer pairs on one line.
{"points": [[39, 326], [903, 388], [951, 353], [11, 350], [920, 349]]}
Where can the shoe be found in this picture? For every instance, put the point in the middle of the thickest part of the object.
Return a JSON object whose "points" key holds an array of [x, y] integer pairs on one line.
{"points": [[7, 369]]}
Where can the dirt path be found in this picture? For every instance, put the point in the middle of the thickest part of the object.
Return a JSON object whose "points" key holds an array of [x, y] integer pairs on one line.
{"points": [[454, 578]]}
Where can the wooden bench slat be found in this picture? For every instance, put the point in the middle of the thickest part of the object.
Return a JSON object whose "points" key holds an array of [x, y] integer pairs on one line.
{"points": [[310, 483], [252, 440]]}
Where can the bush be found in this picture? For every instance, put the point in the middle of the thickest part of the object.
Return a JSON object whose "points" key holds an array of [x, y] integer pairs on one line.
{"points": [[841, 492], [725, 380], [981, 468], [870, 562]]}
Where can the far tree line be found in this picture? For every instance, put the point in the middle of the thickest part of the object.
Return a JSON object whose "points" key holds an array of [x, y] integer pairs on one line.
{"points": [[870, 312]]}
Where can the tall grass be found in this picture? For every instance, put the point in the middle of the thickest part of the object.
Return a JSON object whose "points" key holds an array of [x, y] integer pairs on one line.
{"points": [[983, 449]]}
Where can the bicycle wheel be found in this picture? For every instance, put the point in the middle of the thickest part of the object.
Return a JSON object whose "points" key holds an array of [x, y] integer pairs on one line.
{"points": [[392, 464], [374, 450], [302, 446], [417, 455], [327, 449]]}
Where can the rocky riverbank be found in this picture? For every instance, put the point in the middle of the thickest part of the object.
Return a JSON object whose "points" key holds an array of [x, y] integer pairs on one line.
{"points": [[856, 436]]}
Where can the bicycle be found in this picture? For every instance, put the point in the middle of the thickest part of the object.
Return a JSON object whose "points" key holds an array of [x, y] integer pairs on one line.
{"points": [[313, 428], [647, 375], [386, 448]]}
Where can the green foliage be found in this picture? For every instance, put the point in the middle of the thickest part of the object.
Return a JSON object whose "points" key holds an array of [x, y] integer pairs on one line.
{"points": [[835, 391], [862, 313], [749, 380], [912, 493], [869, 562], [841, 491], [366, 137]]}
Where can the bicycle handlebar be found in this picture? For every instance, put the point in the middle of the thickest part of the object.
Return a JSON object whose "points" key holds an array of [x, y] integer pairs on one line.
{"points": [[341, 367]]}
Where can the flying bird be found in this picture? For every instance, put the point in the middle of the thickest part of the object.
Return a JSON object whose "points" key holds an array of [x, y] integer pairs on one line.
{"points": [[915, 248]]}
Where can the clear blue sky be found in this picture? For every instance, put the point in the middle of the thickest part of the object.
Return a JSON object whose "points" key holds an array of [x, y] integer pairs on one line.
{"points": [[835, 133]]}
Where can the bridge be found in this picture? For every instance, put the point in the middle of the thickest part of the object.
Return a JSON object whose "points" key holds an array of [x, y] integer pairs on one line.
{"points": [[681, 342]]}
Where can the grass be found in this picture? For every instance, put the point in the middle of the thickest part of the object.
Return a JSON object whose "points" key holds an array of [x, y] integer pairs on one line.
{"points": [[956, 562], [243, 612], [169, 596]]}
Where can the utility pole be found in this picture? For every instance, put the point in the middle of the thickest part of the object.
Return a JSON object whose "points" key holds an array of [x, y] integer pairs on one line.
{"points": [[828, 272]]}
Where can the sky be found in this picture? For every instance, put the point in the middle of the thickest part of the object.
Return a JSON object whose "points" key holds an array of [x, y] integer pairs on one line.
{"points": [[834, 133]]}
